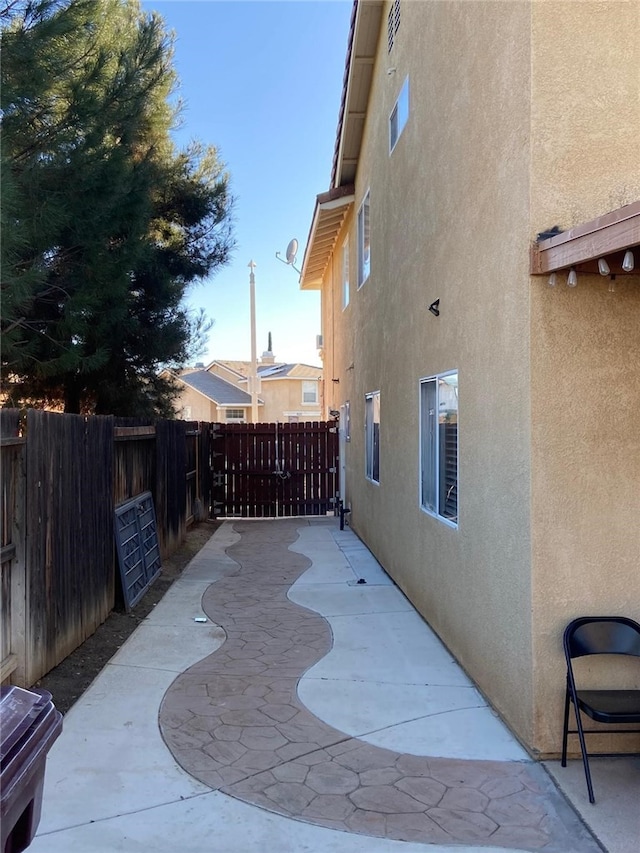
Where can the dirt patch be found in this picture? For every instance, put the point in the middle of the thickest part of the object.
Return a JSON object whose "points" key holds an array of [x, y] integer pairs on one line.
{"points": [[68, 681]]}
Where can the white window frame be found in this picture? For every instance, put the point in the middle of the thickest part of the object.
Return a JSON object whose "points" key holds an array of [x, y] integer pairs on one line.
{"points": [[309, 386], [230, 413], [371, 441], [345, 274], [364, 240], [347, 420], [399, 115], [437, 395]]}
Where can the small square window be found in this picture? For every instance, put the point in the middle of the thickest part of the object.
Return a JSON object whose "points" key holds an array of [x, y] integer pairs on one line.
{"points": [[345, 273], [364, 242], [399, 115], [309, 392]]}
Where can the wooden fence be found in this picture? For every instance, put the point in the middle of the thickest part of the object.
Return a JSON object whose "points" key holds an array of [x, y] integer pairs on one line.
{"points": [[274, 469], [62, 477]]}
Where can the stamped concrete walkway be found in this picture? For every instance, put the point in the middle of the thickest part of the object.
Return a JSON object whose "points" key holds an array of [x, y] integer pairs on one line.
{"points": [[235, 722], [382, 738]]}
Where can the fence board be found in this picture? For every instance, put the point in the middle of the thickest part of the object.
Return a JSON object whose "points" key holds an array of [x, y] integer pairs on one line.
{"points": [[134, 459], [12, 567], [170, 493], [69, 550], [205, 473]]}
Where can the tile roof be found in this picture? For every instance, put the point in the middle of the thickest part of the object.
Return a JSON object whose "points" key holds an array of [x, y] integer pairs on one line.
{"points": [[216, 389]]}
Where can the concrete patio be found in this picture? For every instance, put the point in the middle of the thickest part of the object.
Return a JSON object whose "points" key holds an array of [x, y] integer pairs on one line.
{"points": [[313, 710]]}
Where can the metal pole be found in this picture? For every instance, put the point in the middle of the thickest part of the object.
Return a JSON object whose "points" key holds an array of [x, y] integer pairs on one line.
{"points": [[253, 378]]}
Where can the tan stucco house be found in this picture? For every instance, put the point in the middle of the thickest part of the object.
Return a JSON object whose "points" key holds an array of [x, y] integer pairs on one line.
{"points": [[490, 423], [219, 392]]}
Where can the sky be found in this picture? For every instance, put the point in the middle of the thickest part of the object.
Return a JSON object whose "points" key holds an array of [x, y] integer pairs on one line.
{"points": [[262, 81]]}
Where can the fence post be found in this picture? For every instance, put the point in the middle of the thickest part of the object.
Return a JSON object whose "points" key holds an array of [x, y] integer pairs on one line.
{"points": [[19, 575]]}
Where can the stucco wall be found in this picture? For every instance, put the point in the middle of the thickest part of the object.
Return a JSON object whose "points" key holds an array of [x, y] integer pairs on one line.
{"points": [[202, 409], [285, 395], [585, 377], [450, 221], [522, 116]]}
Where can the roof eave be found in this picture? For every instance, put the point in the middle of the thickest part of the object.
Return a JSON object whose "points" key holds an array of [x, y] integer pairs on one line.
{"points": [[329, 215], [328, 218], [364, 34]]}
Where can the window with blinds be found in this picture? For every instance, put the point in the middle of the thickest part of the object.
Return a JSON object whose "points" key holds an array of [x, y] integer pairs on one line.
{"points": [[439, 446], [372, 436]]}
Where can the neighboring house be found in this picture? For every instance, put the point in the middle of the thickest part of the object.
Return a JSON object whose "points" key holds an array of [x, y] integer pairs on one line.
{"points": [[208, 397], [219, 392], [490, 425]]}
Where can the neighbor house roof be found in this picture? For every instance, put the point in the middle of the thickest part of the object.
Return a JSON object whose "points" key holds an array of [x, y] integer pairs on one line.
{"points": [[238, 367], [295, 370], [216, 389], [289, 371]]}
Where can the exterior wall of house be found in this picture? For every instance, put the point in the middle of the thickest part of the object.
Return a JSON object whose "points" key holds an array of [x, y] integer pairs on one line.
{"points": [[449, 221], [284, 396], [336, 321], [202, 409], [498, 147], [585, 381]]}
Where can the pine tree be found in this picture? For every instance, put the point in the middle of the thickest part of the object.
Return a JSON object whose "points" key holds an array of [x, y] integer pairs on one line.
{"points": [[105, 224]]}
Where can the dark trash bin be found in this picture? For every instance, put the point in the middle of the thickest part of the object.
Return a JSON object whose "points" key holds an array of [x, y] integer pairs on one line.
{"points": [[29, 724]]}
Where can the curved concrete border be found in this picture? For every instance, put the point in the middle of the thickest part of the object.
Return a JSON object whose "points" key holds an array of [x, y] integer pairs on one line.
{"points": [[235, 722]]}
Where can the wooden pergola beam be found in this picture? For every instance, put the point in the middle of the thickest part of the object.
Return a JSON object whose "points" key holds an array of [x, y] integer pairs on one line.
{"points": [[613, 232]]}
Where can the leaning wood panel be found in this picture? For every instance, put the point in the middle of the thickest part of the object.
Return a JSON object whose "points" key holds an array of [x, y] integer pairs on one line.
{"points": [[69, 520]]}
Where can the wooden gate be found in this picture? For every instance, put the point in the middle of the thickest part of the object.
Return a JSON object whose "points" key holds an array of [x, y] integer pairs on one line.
{"points": [[273, 470]]}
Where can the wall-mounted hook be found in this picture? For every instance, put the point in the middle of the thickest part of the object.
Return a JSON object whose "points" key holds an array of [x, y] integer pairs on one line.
{"points": [[434, 308]]}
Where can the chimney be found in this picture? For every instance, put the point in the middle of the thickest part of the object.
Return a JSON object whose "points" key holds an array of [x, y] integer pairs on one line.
{"points": [[267, 356]]}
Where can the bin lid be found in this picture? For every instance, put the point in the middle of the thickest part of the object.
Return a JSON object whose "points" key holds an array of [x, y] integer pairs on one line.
{"points": [[19, 710], [29, 724]]}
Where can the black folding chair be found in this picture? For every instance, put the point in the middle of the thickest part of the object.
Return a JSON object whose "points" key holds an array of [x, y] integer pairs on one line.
{"points": [[599, 635]]}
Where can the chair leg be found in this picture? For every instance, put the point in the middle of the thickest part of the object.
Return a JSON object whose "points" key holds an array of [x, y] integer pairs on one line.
{"points": [[585, 757], [565, 730]]}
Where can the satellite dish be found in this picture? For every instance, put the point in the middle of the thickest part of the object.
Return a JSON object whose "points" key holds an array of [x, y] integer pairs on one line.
{"points": [[292, 251]]}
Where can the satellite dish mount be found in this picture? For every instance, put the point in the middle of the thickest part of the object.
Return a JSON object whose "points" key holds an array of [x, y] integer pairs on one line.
{"points": [[292, 251]]}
